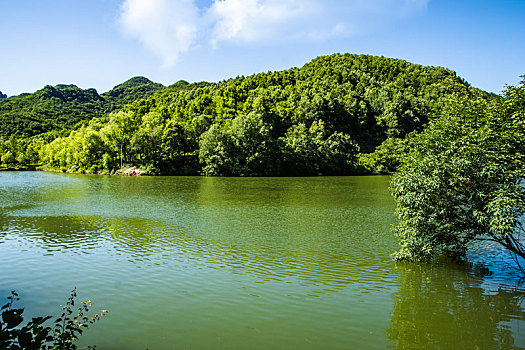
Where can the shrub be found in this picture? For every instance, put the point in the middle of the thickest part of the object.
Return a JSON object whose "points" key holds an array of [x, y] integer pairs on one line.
{"points": [[35, 335]]}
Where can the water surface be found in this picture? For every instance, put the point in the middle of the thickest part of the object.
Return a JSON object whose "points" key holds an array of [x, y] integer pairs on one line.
{"points": [[237, 263]]}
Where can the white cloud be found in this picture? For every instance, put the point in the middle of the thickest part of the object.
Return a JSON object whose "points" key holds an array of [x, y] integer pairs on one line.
{"points": [[258, 20], [166, 27], [172, 27]]}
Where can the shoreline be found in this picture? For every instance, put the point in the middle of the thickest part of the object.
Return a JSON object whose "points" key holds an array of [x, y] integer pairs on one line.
{"points": [[141, 172]]}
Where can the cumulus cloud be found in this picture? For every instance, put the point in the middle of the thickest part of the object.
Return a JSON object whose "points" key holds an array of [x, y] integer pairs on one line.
{"points": [[166, 27], [170, 28], [257, 20]]}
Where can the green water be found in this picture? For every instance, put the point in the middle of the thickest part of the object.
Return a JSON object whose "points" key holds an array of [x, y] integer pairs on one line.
{"points": [[236, 263]]}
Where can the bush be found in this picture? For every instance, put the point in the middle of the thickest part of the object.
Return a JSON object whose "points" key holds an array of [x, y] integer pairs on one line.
{"points": [[35, 335]]}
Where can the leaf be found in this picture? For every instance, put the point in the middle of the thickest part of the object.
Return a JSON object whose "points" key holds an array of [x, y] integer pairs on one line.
{"points": [[12, 318], [25, 339]]}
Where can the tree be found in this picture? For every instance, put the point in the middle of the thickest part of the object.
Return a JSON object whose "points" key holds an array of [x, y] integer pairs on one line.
{"points": [[215, 150], [386, 157], [254, 151], [312, 151], [243, 148], [8, 158], [463, 181], [178, 150]]}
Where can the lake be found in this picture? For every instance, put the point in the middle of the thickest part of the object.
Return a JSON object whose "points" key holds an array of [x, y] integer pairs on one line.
{"points": [[243, 263]]}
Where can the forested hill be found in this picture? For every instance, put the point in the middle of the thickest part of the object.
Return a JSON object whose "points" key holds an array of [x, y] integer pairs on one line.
{"points": [[132, 90], [62, 106], [338, 114]]}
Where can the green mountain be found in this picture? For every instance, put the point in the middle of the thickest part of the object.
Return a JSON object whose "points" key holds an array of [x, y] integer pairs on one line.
{"points": [[337, 115], [131, 90], [62, 106]]}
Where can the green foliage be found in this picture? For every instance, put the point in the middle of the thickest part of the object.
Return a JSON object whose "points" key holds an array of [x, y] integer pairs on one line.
{"points": [[244, 148], [34, 335], [8, 158], [303, 121], [131, 90], [312, 151], [386, 158], [63, 106], [19, 153], [463, 180], [48, 109]]}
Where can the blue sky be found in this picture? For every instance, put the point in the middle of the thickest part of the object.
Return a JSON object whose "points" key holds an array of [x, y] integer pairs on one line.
{"points": [[101, 43]]}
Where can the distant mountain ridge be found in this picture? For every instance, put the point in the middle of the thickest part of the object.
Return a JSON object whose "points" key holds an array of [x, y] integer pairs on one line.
{"points": [[129, 91], [62, 106]]}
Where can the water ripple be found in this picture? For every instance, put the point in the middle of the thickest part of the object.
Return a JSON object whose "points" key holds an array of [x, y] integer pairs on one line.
{"points": [[238, 263]]}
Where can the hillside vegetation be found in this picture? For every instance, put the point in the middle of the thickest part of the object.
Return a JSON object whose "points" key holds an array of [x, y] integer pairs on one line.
{"points": [[337, 115], [60, 107]]}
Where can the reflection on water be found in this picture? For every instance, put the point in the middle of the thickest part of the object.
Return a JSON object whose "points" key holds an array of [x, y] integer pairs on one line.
{"points": [[225, 263], [440, 307]]}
